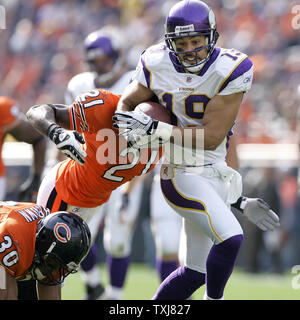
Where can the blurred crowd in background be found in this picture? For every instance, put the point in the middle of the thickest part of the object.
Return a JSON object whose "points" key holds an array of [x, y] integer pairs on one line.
{"points": [[42, 48]]}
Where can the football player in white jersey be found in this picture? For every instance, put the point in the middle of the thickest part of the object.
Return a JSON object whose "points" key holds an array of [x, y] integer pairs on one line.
{"points": [[108, 70], [202, 86]]}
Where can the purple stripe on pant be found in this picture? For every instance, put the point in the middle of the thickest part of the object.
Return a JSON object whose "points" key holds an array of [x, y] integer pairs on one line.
{"points": [[177, 199]]}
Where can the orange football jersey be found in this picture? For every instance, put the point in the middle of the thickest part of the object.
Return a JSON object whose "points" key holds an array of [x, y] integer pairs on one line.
{"points": [[8, 112], [109, 162], [18, 224]]}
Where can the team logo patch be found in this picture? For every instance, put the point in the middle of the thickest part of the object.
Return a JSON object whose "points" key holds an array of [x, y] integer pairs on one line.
{"points": [[62, 232]]}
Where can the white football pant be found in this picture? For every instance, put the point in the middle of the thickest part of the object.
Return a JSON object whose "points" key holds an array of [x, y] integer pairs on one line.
{"points": [[203, 200], [118, 230], [2, 188]]}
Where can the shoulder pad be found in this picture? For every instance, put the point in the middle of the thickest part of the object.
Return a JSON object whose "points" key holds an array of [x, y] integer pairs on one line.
{"points": [[154, 55], [229, 60]]}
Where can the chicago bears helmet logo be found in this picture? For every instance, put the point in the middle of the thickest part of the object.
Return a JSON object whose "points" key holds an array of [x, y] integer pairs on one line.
{"points": [[62, 232]]}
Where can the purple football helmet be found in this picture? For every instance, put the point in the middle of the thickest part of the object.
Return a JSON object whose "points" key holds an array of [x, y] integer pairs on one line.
{"points": [[189, 18], [102, 52]]}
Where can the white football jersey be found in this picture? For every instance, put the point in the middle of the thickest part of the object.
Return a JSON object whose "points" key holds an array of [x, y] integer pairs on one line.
{"points": [[186, 95], [85, 81]]}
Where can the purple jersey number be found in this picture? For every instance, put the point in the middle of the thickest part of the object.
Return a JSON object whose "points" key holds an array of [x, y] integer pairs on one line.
{"points": [[194, 106]]}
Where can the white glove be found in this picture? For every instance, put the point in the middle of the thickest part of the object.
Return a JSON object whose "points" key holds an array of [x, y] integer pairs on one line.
{"points": [[139, 129], [260, 213], [68, 142]]}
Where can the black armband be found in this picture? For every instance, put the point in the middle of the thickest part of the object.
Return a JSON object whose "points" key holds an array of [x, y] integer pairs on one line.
{"points": [[240, 204], [50, 130]]}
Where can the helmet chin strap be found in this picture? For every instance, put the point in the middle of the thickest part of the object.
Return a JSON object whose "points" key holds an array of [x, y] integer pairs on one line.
{"points": [[37, 274], [193, 69]]}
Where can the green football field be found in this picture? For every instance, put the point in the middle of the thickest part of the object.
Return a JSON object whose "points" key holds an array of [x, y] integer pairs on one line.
{"points": [[142, 282]]}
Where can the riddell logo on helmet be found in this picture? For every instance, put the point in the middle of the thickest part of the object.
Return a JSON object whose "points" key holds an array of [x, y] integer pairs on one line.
{"points": [[62, 232], [189, 28]]}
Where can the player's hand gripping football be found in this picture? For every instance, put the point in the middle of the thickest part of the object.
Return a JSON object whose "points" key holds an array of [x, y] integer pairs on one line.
{"points": [[135, 127], [68, 142], [260, 213], [140, 129]]}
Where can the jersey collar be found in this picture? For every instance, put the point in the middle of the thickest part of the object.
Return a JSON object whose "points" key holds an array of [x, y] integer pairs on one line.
{"points": [[202, 72]]}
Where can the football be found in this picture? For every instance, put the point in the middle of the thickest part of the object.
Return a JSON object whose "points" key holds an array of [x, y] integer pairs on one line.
{"points": [[155, 111]]}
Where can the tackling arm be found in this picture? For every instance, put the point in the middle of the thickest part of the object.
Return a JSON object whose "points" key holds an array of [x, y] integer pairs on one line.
{"points": [[43, 116], [50, 119]]}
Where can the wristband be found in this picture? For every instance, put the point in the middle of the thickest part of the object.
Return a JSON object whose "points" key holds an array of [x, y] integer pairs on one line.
{"points": [[51, 129], [240, 204], [162, 130]]}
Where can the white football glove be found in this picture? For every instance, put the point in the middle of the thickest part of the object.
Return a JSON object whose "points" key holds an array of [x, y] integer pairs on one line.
{"points": [[134, 127], [260, 213], [139, 129], [68, 142]]}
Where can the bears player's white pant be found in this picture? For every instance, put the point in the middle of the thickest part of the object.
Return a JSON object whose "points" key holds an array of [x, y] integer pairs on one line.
{"points": [[2, 188], [118, 231], [165, 222], [46, 197], [203, 201]]}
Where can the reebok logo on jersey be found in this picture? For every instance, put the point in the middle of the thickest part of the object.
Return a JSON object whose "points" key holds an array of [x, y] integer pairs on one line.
{"points": [[247, 79]]}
